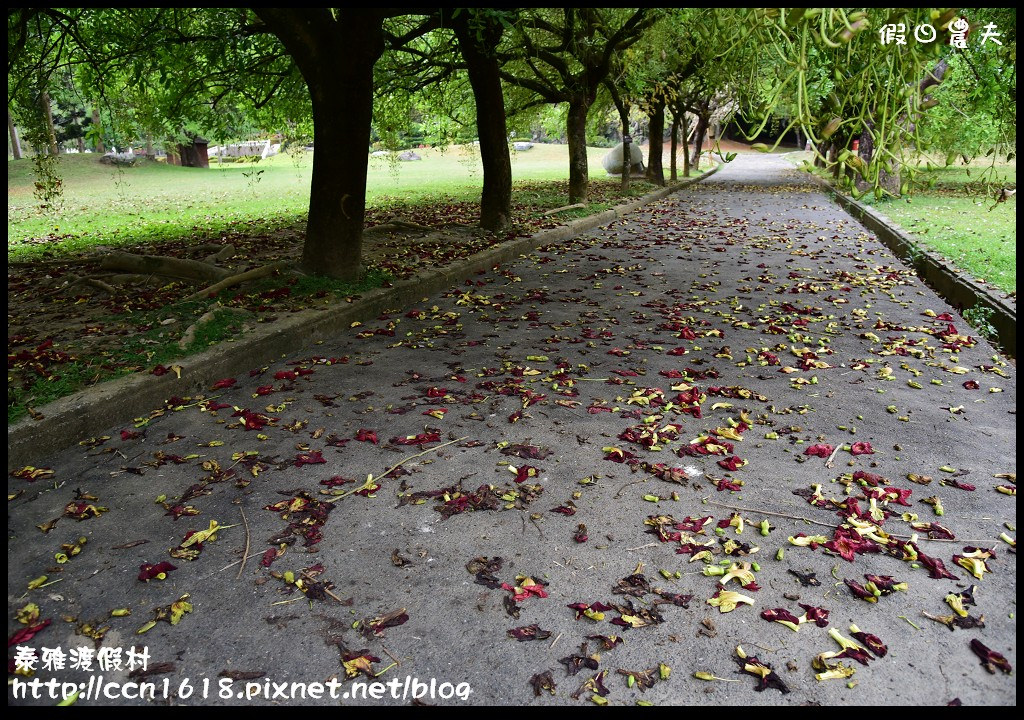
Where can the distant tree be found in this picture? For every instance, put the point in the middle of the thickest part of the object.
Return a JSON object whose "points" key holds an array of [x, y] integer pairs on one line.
{"points": [[563, 56]]}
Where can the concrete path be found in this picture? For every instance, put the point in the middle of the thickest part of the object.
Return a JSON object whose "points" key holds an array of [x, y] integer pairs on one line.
{"points": [[571, 371]]}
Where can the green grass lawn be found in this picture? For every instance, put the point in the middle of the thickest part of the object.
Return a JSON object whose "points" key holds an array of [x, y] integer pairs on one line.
{"points": [[968, 228], [155, 201], [958, 220]]}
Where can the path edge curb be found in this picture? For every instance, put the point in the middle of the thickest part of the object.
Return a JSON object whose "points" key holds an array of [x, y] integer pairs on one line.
{"points": [[937, 272], [88, 412]]}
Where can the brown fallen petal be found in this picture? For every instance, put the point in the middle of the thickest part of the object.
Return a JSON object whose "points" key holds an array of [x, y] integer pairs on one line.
{"points": [[990, 659], [529, 632], [543, 681]]}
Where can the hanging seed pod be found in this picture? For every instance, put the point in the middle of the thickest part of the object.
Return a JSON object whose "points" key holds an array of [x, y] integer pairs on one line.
{"points": [[847, 35], [831, 128]]}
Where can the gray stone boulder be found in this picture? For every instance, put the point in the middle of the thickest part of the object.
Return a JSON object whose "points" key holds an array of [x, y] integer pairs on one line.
{"points": [[522, 146], [408, 156], [612, 162]]}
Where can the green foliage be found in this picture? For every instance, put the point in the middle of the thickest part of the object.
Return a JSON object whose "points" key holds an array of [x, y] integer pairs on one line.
{"points": [[979, 317], [954, 221], [828, 72]]}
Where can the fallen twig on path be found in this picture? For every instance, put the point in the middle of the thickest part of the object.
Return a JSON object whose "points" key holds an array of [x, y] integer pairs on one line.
{"points": [[396, 466], [245, 554], [833, 526], [828, 463]]}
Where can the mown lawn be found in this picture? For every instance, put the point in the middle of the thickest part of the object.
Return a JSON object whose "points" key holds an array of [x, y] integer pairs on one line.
{"points": [[154, 201], [976, 233]]}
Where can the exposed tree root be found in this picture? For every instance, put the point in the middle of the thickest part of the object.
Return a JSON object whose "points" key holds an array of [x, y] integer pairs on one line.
{"points": [[574, 206], [397, 224], [233, 280], [162, 265]]}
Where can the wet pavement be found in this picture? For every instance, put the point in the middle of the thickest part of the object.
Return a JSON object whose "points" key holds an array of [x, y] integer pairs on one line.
{"points": [[580, 415]]}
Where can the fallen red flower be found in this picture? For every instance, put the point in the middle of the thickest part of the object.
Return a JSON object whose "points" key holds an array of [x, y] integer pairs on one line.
{"points": [[990, 659], [817, 615], [27, 633], [310, 458], [364, 435], [822, 451], [873, 642], [732, 464], [861, 448], [148, 572], [936, 568]]}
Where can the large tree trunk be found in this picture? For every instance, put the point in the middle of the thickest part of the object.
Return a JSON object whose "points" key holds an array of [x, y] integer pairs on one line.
{"points": [[686, 142], [15, 143], [99, 138], [576, 127], [483, 69], [342, 110], [627, 142], [656, 145], [51, 136], [673, 176], [833, 154], [336, 56], [698, 141]]}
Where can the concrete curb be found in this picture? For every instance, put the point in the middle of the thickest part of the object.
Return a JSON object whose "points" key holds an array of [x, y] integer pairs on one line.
{"points": [[937, 272], [88, 412]]}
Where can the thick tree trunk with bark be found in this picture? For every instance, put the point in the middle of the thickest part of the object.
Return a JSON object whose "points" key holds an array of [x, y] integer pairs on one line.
{"points": [[483, 69], [576, 127], [342, 109], [336, 58], [698, 141], [673, 175], [686, 142], [99, 139], [890, 182], [51, 136], [656, 145], [15, 142], [627, 153]]}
